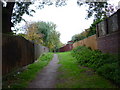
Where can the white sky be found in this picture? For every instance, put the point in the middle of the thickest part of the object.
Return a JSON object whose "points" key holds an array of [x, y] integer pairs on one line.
{"points": [[70, 19]]}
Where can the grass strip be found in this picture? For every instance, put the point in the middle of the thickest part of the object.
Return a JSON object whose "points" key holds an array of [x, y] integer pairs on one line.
{"points": [[72, 75], [22, 79]]}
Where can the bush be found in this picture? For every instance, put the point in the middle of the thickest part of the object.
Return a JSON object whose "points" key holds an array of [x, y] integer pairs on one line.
{"points": [[110, 71], [104, 64]]}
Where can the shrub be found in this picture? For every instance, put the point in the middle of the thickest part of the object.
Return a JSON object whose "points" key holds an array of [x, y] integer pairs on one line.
{"points": [[110, 71], [104, 64]]}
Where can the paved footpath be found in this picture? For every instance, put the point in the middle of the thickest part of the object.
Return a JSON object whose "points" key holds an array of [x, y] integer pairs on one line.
{"points": [[47, 77]]}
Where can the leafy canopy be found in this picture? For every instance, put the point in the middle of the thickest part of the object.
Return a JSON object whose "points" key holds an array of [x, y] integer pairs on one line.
{"points": [[99, 9], [43, 33]]}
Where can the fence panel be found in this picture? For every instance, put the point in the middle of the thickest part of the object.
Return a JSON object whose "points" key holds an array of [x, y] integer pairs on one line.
{"points": [[18, 52], [39, 49]]}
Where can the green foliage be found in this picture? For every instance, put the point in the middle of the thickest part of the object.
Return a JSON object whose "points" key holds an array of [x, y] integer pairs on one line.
{"points": [[21, 34], [51, 37], [105, 64], [110, 71], [22, 78], [32, 33], [98, 9], [44, 33], [21, 8], [78, 37]]}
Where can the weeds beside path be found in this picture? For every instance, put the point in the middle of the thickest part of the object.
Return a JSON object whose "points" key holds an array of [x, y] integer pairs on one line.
{"points": [[71, 75], [21, 79]]}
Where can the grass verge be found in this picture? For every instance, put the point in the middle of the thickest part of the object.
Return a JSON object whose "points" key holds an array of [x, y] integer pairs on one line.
{"points": [[72, 75], [21, 79]]}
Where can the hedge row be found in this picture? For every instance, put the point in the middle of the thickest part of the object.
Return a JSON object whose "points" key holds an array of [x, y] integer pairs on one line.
{"points": [[104, 64]]}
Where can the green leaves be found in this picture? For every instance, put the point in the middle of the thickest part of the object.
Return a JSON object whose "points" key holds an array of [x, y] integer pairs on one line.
{"points": [[44, 33], [19, 9], [51, 36], [98, 9], [105, 64]]}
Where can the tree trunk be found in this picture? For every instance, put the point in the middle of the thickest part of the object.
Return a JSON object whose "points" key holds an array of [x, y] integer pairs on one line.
{"points": [[6, 17]]}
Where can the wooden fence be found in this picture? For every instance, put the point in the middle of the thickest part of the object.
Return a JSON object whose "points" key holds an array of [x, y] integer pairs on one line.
{"points": [[18, 52]]}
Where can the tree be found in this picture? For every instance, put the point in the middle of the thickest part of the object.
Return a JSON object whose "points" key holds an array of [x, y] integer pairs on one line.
{"points": [[51, 36], [33, 35], [46, 29], [13, 11], [78, 37], [43, 33], [6, 17], [100, 10], [54, 41], [17, 9]]}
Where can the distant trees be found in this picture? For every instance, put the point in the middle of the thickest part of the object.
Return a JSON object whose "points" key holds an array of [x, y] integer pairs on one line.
{"points": [[88, 32], [43, 33], [32, 33], [79, 36]]}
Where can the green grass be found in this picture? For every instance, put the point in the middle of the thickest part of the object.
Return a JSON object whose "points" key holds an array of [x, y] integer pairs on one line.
{"points": [[71, 75], [22, 80]]}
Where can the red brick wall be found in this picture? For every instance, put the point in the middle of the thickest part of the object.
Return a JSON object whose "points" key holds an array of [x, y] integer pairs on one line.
{"points": [[88, 42], [109, 43], [108, 34], [65, 48]]}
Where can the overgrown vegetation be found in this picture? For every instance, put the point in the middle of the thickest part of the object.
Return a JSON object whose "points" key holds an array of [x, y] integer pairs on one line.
{"points": [[104, 64], [22, 78], [72, 75]]}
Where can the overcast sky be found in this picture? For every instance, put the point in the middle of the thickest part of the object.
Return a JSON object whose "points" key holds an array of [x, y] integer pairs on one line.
{"points": [[70, 19]]}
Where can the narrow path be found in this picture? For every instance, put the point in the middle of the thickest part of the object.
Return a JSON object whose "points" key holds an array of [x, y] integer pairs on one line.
{"points": [[47, 77]]}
